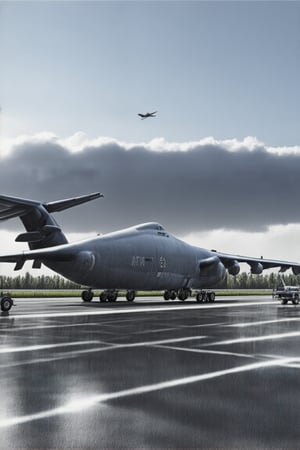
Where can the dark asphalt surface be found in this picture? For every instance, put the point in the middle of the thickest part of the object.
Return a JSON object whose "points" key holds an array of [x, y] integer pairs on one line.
{"points": [[152, 374]]}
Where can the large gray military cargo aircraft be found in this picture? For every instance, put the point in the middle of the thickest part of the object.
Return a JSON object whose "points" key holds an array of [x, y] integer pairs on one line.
{"points": [[142, 257]]}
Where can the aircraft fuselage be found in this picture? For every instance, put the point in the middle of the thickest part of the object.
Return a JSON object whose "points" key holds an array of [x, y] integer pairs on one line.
{"points": [[145, 257]]}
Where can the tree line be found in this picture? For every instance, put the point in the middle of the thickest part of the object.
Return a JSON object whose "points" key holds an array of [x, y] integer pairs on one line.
{"points": [[29, 281], [240, 281], [264, 281]]}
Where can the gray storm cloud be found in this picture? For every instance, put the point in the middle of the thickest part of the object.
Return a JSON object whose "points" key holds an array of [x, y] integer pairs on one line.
{"points": [[205, 187]]}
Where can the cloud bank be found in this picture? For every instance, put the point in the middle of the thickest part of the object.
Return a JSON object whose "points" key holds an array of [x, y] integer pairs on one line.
{"points": [[188, 187]]}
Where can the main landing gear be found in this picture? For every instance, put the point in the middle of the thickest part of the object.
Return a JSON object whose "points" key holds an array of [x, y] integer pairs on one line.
{"points": [[205, 296], [110, 296], [181, 294], [6, 302], [184, 294]]}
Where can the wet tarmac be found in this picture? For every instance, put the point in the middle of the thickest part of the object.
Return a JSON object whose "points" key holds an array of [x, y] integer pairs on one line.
{"points": [[150, 375]]}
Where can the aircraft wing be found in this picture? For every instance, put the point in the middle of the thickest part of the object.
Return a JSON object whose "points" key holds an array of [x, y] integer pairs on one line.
{"points": [[57, 253], [257, 265]]}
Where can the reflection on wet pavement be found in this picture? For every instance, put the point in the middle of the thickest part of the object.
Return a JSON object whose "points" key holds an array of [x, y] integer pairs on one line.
{"points": [[152, 375]]}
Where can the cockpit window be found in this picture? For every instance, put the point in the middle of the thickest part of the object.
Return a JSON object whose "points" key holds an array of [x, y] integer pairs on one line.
{"points": [[150, 226]]}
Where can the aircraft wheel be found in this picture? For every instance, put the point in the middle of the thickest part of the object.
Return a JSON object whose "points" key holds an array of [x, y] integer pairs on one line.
{"points": [[112, 296], [87, 296], [211, 297], [103, 297], [6, 303], [199, 297], [167, 295], [182, 294], [173, 295], [130, 296]]}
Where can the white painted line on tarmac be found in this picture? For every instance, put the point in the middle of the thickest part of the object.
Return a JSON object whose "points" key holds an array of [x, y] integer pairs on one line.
{"points": [[211, 352], [263, 322], [269, 337], [76, 353], [203, 325], [32, 348], [158, 330], [161, 341], [290, 365], [43, 327], [140, 309], [77, 405]]}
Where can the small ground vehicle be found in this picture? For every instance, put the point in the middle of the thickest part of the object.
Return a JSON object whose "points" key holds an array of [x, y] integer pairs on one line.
{"points": [[286, 293]]}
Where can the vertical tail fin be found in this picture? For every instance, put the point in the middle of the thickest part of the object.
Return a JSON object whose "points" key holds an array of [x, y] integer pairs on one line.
{"points": [[41, 228]]}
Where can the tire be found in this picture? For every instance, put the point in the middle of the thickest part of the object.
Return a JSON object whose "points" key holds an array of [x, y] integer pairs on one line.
{"points": [[103, 297], [87, 296], [167, 295], [112, 297], [130, 296], [204, 297], [199, 297], [211, 297], [173, 295], [284, 301], [6, 303], [183, 294]]}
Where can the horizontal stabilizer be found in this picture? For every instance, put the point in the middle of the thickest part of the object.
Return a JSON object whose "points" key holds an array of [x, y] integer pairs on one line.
{"points": [[17, 207], [31, 236], [56, 253], [35, 236], [61, 205]]}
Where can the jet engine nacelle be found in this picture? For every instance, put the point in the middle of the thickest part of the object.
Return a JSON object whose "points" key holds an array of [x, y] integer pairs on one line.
{"points": [[234, 268], [256, 268], [212, 271]]}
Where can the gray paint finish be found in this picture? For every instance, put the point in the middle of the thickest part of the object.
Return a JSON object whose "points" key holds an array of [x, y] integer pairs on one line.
{"points": [[143, 257]]}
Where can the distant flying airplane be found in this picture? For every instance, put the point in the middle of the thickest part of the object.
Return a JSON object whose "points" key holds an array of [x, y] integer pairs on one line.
{"points": [[145, 116], [143, 257]]}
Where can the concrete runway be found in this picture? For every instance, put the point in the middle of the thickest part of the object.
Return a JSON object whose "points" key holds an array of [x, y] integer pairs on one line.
{"points": [[151, 374]]}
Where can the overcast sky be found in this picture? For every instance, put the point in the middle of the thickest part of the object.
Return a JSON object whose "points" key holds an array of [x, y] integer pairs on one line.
{"points": [[218, 166]]}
